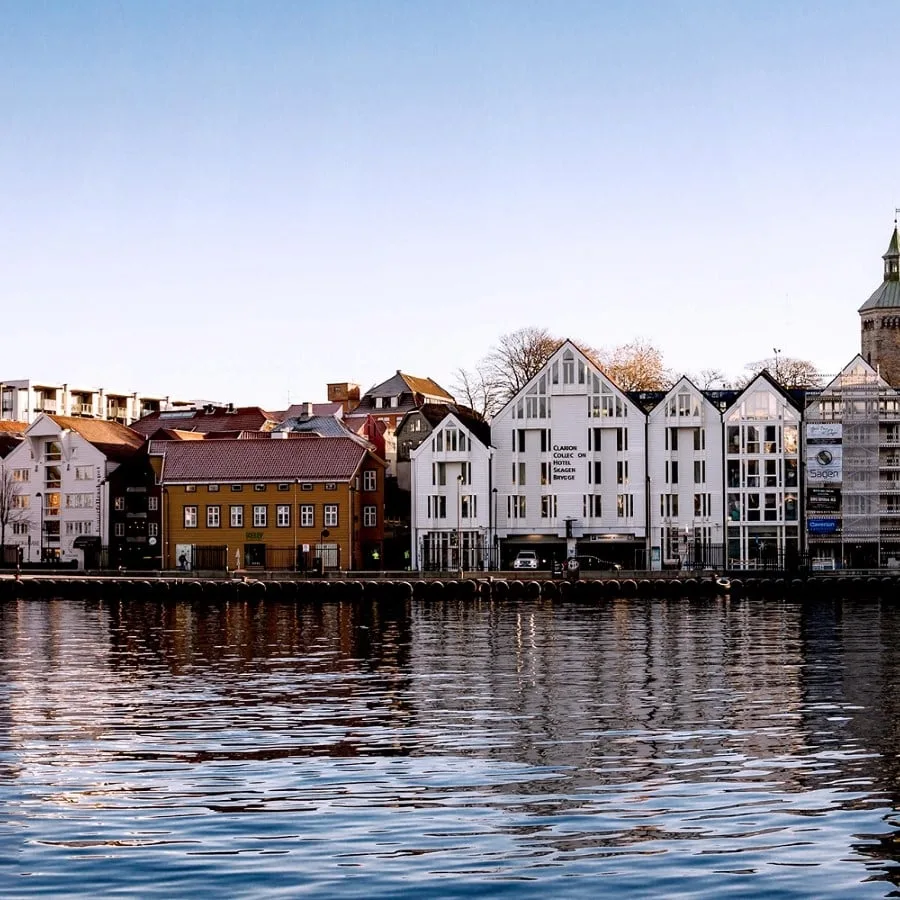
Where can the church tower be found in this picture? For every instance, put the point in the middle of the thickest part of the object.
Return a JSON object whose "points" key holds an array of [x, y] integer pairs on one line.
{"points": [[880, 318]]}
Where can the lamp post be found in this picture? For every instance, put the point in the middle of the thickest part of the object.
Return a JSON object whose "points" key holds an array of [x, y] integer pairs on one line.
{"points": [[459, 559], [495, 549], [40, 498]]}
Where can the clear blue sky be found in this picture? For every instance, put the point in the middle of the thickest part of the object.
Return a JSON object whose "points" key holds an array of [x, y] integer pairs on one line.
{"points": [[241, 200]]}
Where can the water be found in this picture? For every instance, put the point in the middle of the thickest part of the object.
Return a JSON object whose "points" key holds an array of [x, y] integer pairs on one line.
{"points": [[635, 748]]}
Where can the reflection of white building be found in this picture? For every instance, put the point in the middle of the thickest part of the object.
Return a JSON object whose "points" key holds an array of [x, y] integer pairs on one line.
{"points": [[762, 474], [61, 470], [684, 467], [23, 400], [451, 497]]}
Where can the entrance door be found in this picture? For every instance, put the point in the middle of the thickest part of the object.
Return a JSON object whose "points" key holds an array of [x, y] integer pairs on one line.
{"points": [[254, 556]]}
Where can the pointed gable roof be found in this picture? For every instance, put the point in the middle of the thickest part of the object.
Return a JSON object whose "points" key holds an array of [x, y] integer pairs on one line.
{"points": [[113, 440]]}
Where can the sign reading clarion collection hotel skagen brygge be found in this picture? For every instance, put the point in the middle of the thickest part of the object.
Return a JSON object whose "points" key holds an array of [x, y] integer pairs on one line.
{"points": [[564, 456]]}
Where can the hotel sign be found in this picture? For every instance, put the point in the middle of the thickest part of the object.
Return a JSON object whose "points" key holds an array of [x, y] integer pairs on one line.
{"points": [[564, 461]]}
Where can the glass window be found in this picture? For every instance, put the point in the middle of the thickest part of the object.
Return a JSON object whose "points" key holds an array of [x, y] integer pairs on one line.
{"points": [[260, 516], [190, 517], [307, 515], [213, 517], [370, 516], [331, 515], [237, 516], [370, 480], [153, 503], [282, 515]]}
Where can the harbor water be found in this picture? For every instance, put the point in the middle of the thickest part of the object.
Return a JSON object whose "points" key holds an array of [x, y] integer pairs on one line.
{"points": [[625, 748]]}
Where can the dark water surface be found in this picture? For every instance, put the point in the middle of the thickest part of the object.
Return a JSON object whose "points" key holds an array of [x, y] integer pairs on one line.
{"points": [[636, 748]]}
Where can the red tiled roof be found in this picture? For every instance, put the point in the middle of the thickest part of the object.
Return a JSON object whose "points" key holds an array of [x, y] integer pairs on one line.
{"points": [[112, 439], [243, 418], [311, 459], [8, 425]]}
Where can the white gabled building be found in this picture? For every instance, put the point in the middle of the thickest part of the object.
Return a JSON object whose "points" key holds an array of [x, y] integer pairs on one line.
{"points": [[684, 468], [451, 514], [61, 468], [569, 466], [762, 476]]}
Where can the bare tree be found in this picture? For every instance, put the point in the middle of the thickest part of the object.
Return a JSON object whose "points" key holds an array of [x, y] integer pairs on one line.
{"points": [[786, 370], [11, 510], [476, 390], [636, 366], [517, 358], [710, 379]]}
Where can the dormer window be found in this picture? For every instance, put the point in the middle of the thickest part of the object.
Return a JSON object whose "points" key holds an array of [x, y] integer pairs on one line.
{"points": [[395, 401], [379, 402]]}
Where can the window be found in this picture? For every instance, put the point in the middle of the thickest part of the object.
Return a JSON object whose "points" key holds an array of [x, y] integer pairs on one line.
{"points": [[52, 450], [213, 516], [625, 506], [153, 503], [468, 506], [190, 517], [770, 478], [515, 507], [331, 515], [671, 438], [752, 473], [597, 473], [119, 529], [546, 472], [119, 503], [190, 488], [672, 471], [591, 505], [307, 515], [21, 475], [21, 501], [237, 488], [519, 440], [595, 439], [622, 471], [518, 473], [548, 507], [437, 507], [465, 472], [20, 528], [80, 501], [699, 438], [260, 516], [668, 505], [73, 528], [621, 439], [237, 516], [329, 486], [370, 480], [439, 473], [283, 487], [153, 529], [212, 488], [699, 471], [379, 402], [53, 476], [370, 516], [84, 473], [282, 515], [259, 488], [701, 505]]}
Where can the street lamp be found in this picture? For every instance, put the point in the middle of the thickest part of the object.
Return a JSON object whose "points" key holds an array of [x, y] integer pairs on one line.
{"points": [[459, 560], [40, 498]]}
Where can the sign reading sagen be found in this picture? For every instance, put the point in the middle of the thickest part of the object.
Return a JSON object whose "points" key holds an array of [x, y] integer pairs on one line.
{"points": [[824, 453], [564, 457]]}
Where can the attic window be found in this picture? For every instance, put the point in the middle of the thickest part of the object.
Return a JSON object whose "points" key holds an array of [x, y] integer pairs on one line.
{"points": [[378, 402], [212, 488], [330, 485], [236, 488], [259, 488], [396, 400], [284, 487], [306, 486]]}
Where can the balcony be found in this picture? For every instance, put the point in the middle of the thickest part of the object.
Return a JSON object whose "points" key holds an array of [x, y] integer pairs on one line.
{"points": [[82, 409], [47, 406]]}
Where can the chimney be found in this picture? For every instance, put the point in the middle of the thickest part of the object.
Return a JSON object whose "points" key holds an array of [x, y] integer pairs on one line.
{"points": [[308, 409]]}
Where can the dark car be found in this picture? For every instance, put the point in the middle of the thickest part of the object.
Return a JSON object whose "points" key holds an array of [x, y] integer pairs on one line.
{"points": [[594, 564]]}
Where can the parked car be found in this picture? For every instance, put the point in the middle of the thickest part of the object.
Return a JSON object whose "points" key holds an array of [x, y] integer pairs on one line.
{"points": [[526, 559], [594, 563]]}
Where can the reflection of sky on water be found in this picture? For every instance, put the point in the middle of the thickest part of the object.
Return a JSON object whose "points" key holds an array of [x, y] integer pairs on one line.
{"points": [[721, 738]]}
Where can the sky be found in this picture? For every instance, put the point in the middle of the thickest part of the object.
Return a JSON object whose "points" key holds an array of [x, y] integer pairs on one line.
{"points": [[244, 201]]}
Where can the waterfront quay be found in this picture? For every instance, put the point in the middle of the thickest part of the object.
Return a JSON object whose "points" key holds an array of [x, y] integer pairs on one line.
{"points": [[413, 586]]}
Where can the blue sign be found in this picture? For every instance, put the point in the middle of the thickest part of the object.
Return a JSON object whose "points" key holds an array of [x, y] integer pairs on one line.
{"points": [[822, 526]]}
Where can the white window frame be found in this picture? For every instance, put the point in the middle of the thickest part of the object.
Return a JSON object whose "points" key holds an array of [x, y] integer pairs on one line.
{"points": [[307, 515], [370, 480], [260, 515], [190, 516], [331, 515], [283, 515], [214, 516], [370, 516], [236, 516]]}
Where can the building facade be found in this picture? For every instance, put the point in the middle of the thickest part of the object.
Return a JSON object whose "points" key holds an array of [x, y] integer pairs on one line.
{"points": [[880, 318], [275, 503], [25, 400]]}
